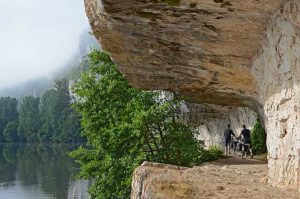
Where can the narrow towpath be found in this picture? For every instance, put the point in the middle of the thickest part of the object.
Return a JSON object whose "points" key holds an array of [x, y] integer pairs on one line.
{"points": [[229, 178], [234, 177]]}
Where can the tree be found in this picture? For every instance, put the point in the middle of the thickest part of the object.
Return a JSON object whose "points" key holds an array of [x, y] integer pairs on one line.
{"points": [[8, 113], [10, 132], [29, 118], [48, 116], [70, 127], [125, 126], [60, 122]]}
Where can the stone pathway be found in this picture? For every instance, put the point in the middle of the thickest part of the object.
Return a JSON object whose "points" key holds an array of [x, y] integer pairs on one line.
{"points": [[229, 178]]}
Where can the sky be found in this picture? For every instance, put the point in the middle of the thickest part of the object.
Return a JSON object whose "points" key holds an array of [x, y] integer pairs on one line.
{"points": [[37, 37]]}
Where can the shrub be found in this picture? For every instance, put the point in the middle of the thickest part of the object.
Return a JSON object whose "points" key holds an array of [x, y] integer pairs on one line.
{"points": [[258, 138], [213, 152]]}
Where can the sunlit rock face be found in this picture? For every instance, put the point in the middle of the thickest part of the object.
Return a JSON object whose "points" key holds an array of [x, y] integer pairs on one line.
{"points": [[277, 70], [231, 53]]}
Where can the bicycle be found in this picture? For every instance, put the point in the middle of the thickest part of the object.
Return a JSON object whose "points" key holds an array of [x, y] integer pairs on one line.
{"points": [[240, 148]]}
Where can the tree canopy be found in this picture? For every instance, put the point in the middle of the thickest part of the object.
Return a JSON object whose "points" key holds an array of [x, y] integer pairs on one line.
{"points": [[29, 121], [124, 127], [51, 118], [8, 113]]}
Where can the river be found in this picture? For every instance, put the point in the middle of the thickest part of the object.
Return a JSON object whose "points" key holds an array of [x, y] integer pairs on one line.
{"points": [[39, 171]]}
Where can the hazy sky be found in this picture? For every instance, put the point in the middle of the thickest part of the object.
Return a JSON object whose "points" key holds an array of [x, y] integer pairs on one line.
{"points": [[37, 36]]}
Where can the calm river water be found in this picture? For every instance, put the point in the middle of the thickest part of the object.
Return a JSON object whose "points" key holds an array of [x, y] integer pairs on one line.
{"points": [[39, 171]]}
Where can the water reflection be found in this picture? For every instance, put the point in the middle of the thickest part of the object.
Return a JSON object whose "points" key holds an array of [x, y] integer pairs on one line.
{"points": [[39, 171]]}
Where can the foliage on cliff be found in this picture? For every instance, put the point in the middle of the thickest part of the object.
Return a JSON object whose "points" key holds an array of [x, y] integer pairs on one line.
{"points": [[258, 138], [124, 127]]}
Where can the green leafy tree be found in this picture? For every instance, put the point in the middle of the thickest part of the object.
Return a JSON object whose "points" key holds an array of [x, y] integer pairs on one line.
{"points": [[10, 132], [258, 138], [70, 127], [48, 116], [125, 126], [60, 122], [29, 118], [8, 113]]}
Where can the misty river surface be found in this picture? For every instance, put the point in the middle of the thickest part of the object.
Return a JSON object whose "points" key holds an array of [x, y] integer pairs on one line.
{"points": [[39, 171]]}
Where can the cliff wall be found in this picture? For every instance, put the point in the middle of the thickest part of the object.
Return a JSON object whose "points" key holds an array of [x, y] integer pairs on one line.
{"points": [[276, 68], [218, 54]]}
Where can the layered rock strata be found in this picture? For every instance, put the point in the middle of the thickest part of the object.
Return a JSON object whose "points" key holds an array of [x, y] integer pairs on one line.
{"points": [[226, 53]]}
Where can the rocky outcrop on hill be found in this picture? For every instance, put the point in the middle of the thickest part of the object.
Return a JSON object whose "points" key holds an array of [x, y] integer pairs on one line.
{"points": [[216, 53]]}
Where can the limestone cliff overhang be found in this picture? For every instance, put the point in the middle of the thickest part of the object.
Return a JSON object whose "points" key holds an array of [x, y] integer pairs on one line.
{"points": [[219, 54], [201, 49]]}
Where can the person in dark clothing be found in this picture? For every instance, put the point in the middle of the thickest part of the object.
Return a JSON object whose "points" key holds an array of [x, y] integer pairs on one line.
{"points": [[246, 135], [227, 135]]}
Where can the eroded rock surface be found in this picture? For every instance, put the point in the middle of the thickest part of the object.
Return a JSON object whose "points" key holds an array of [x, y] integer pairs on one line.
{"points": [[220, 53], [277, 70], [203, 52], [241, 179]]}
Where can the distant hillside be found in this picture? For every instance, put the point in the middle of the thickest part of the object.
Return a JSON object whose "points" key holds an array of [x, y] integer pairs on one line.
{"points": [[71, 70], [35, 87], [78, 63]]}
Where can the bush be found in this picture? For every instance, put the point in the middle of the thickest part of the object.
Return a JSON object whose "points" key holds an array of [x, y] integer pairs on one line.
{"points": [[258, 138], [214, 152]]}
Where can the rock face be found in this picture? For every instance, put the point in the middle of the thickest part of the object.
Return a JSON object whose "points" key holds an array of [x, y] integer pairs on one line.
{"points": [[277, 70], [211, 121], [218, 54], [211, 181], [203, 52]]}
